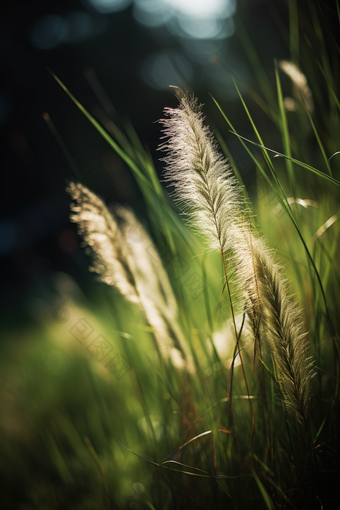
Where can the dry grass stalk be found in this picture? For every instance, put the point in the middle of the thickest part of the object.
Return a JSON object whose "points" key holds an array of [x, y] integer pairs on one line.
{"points": [[210, 195], [132, 265], [282, 329]]}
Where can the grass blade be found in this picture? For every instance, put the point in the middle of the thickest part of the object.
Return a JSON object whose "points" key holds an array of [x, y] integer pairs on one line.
{"points": [[284, 127], [105, 135], [62, 145], [296, 161], [287, 209], [265, 495]]}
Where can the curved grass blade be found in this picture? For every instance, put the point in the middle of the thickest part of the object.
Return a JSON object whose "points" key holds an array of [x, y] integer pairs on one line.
{"points": [[264, 151], [228, 154], [161, 465], [288, 211], [284, 126], [322, 149], [255, 61], [332, 156], [104, 134], [265, 495], [255, 97], [170, 458], [62, 145], [147, 184], [296, 161]]}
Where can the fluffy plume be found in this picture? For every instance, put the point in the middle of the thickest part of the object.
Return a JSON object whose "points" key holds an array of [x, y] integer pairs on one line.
{"points": [[104, 240], [209, 194], [205, 187], [153, 288], [282, 329], [130, 262], [299, 80]]}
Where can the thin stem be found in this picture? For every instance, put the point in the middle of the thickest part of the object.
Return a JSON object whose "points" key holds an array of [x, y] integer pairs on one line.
{"points": [[240, 355]]}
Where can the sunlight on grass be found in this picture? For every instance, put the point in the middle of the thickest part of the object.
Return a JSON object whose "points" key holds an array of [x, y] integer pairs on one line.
{"points": [[191, 379]]}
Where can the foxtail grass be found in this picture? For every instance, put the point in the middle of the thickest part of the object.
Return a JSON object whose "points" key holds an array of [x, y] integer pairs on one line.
{"points": [[210, 195], [130, 263]]}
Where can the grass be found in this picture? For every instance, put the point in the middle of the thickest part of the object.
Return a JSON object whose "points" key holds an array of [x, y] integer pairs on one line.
{"points": [[148, 434]]}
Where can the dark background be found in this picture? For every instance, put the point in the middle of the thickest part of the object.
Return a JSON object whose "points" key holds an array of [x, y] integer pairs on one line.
{"points": [[36, 236]]}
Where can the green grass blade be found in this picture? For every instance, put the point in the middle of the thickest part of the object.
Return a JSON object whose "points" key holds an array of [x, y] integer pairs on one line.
{"points": [[257, 163], [144, 158], [62, 145], [265, 495], [289, 213], [293, 31], [148, 187], [320, 429], [332, 156], [105, 135], [323, 152], [284, 127], [329, 82], [164, 466], [255, 97], [296, 161], [256, 65], [228, 154], [264, 151], [263, 465]]}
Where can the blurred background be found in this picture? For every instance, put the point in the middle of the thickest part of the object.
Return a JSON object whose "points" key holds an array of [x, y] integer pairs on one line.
{"points": [[117, 57]]}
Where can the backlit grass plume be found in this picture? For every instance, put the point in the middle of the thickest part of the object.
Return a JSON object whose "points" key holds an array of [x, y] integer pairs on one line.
{"points": [[205, 186], [125, 257], [282, 328], [299, 80], [210, 195], [103, 238]]}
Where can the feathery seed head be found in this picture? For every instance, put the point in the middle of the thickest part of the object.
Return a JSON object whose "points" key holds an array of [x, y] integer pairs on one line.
{"points": [[209, 194], [101, 234], [129, 266], [205, 187], [300, 83], [283, 330]]}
